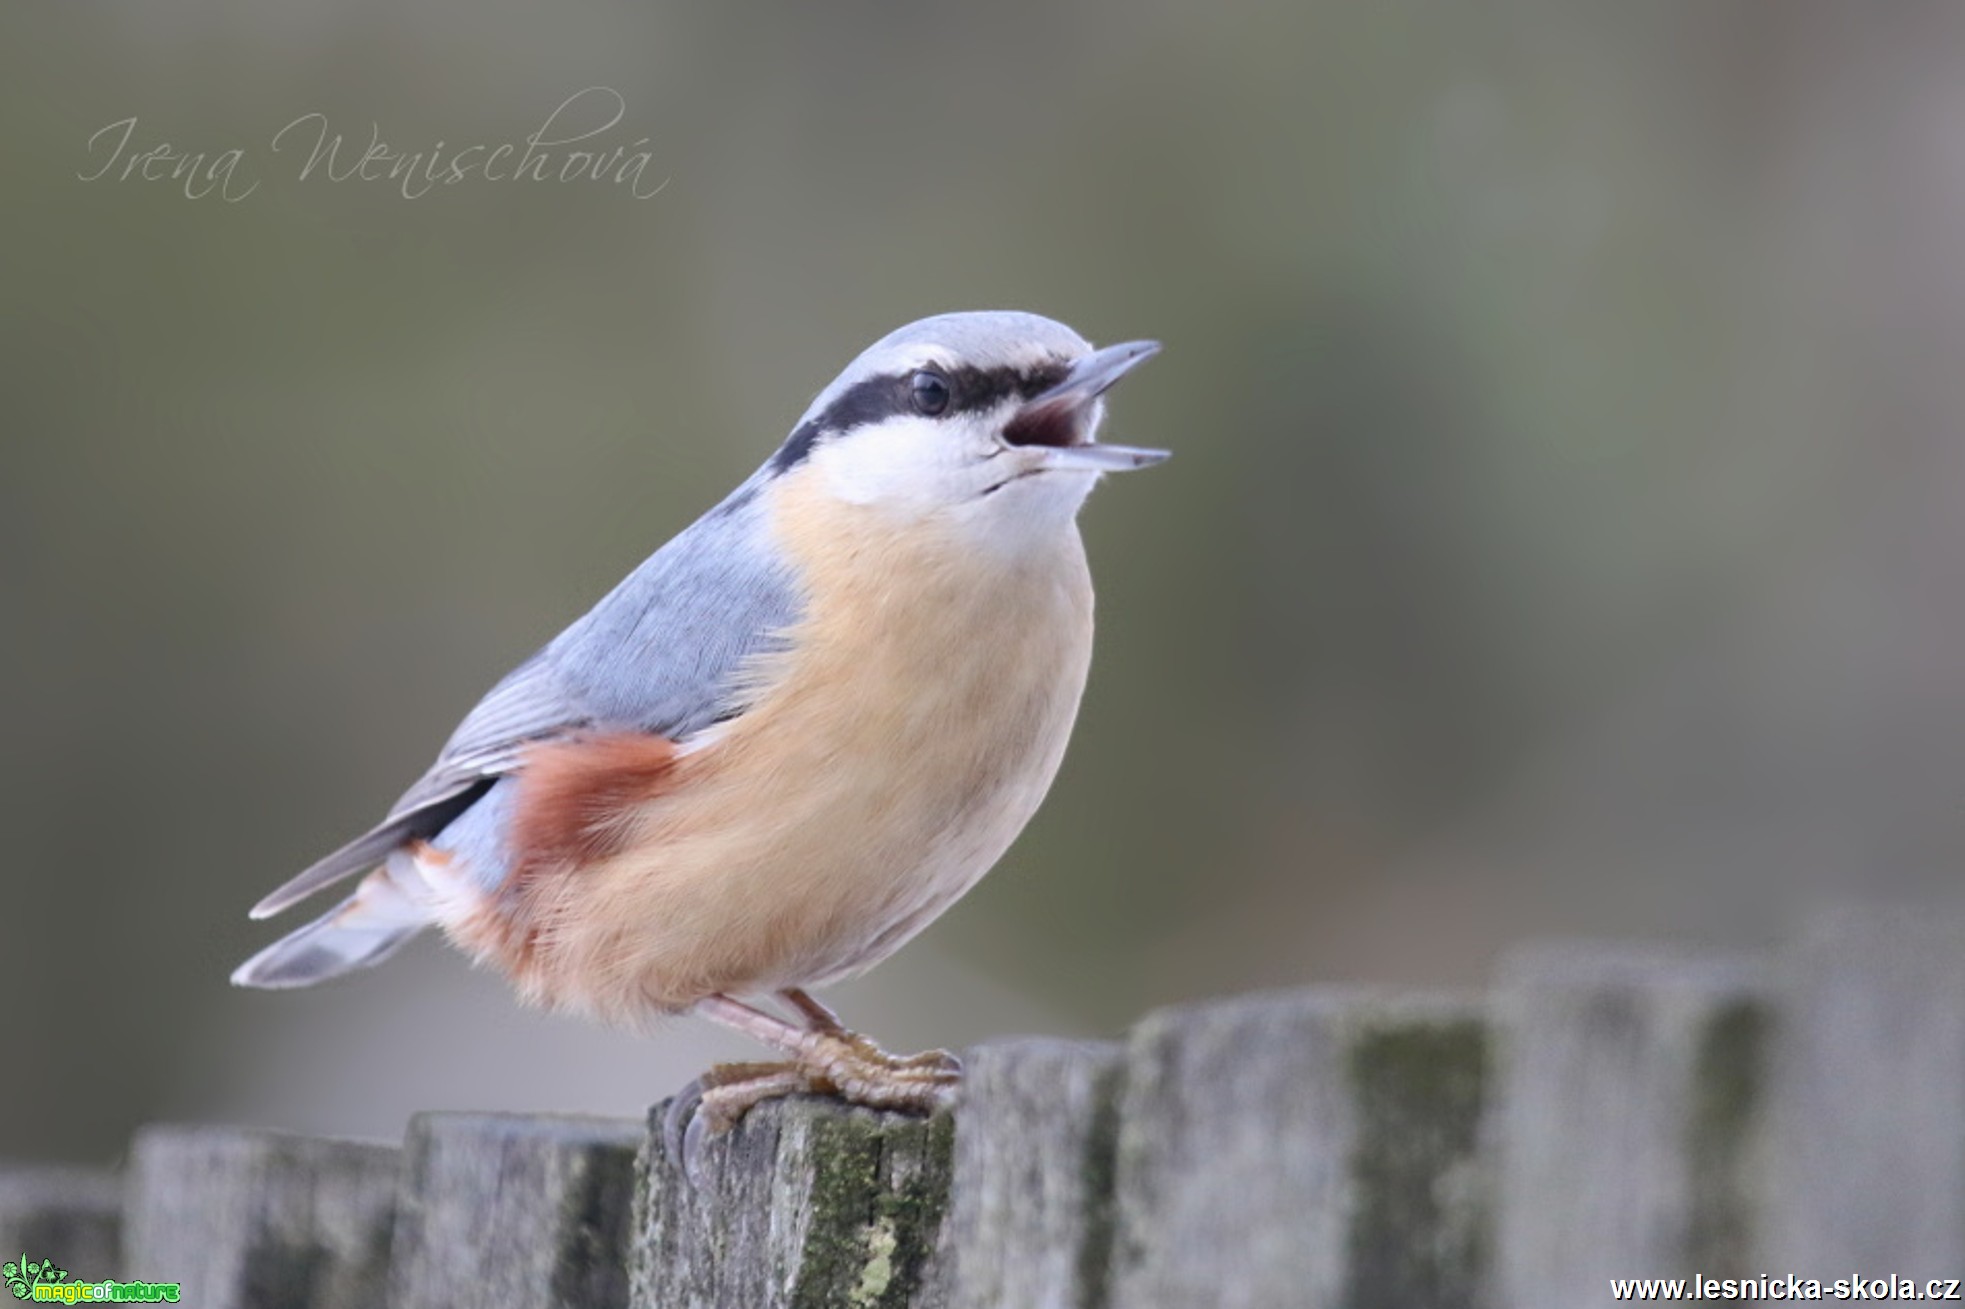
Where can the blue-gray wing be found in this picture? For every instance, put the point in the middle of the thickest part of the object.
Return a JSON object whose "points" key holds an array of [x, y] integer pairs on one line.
{"points": [[660, 653]]}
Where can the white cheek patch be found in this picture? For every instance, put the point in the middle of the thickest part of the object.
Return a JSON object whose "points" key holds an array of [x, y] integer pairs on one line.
{"points": [[906, 463], [954, 471]]}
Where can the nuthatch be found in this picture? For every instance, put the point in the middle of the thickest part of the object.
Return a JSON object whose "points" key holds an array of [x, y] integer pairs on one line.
{"points": [[788, 740]]}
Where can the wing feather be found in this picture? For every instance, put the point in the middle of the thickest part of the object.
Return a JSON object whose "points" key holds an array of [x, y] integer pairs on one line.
{"points": [[659, 654]]}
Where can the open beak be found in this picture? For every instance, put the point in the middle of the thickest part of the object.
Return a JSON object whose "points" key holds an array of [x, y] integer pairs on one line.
{"points": [[1060, 420]]}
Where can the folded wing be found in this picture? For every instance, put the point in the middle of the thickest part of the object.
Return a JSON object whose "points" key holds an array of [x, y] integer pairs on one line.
{"points": [[661, 654]]}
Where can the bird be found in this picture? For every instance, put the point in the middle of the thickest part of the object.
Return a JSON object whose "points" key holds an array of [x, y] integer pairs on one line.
{"points": [[786, 742]]}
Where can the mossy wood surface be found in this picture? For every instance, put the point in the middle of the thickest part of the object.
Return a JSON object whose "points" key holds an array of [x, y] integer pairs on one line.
{"points": [[514, 1210], [1628, 1132], [246, 1219], [1604, 1112], [71, 1215], [804, 1205]]}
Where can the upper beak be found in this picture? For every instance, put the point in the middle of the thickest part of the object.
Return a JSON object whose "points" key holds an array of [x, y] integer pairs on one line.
{"points": [[1060, 419]]}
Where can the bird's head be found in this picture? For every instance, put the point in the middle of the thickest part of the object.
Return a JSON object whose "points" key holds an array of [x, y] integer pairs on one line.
{"points": [[979, 419]]}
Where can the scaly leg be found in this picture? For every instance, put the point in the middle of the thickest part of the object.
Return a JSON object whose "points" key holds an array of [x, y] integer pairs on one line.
{"points": [[819, 1017], [823, 1058]]}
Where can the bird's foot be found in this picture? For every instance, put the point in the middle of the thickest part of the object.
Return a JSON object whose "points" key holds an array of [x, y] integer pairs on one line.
{"points": [[829, 1061]]}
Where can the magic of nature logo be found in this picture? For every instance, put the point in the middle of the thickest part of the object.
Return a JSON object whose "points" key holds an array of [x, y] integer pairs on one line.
{"points": [[43, 1281]]}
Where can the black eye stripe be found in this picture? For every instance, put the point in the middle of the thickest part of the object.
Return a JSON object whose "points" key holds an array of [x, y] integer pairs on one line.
{"points": [[876, 399], [978, 388]]}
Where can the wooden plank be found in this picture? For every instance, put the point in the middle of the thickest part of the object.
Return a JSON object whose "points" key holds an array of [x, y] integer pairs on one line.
{"points": [[1030, 1207], [73, 1216], [514, 1210], [244, 1218], [1626, 1121], [805, 1205], [1868, 1158], [1302, 1149]]}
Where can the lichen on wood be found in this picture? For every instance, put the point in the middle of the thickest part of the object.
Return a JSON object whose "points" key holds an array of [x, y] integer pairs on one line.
{"points": [[804, 1205]]}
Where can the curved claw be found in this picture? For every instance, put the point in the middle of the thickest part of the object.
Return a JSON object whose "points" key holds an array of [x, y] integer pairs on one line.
{"points": [[840, 1064], [691, 1160], [681, 1114], [937, 1061]]}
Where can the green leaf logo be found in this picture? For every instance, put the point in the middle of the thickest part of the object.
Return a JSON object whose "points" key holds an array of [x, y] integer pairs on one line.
{"points": [[23, 1275]]}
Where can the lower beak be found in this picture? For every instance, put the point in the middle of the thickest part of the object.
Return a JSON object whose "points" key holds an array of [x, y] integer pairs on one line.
{"points": [[1098, 457], [1060, 420]]}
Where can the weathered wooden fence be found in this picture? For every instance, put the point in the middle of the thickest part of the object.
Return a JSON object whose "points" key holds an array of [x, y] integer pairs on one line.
{"points": [[1603, 1112]]}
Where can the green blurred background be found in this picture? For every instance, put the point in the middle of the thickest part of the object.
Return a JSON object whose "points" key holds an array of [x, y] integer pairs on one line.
{"points": [[1565, 534]]}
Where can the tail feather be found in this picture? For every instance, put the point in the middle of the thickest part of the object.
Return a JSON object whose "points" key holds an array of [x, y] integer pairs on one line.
{"points": [[362, 930]]}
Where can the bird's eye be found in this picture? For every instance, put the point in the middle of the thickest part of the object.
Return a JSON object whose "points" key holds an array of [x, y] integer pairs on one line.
{"points": [[931, 392]]}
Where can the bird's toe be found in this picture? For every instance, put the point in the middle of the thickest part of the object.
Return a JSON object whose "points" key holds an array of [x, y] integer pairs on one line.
{"points": [[677, 1118]]}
